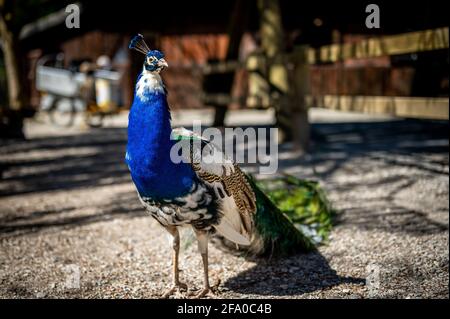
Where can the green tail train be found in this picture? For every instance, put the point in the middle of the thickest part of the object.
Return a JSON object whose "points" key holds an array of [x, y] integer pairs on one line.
{"points": [[292, 216]]}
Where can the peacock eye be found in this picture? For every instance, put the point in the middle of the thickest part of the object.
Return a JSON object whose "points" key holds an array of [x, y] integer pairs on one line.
{"points": [[151, 59]]}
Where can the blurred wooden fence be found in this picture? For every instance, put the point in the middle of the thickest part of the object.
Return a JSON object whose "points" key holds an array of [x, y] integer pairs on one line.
{"points": [[411, 42], [303, 58]]}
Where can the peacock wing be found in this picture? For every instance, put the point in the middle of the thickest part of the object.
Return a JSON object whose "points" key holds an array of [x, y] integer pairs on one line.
{"points": [[235, 194]]}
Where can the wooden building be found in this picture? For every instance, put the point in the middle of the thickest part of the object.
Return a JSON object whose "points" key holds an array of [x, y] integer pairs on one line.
{"points": [[193, 34]]}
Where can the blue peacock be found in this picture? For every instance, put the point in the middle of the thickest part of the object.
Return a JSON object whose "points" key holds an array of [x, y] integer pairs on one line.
{"points": [[217, 200]]}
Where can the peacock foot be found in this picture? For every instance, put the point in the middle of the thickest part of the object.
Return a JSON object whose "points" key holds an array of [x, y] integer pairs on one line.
{"points": [[175, 287], [202, 293]]}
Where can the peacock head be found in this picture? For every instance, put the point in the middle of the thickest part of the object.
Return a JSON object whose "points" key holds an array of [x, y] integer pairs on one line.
{"points": [[154, 59]]}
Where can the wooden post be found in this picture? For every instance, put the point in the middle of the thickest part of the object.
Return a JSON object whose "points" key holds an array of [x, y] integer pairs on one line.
{"points": [[236, 29], [272, 42], [258, 86], [299, 107]]}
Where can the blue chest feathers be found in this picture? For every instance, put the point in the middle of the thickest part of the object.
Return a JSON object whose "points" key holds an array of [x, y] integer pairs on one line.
{"points": [[149, 144]]}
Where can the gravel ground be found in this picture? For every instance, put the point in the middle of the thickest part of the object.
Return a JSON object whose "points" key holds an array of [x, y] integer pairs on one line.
{"points": [[71, 224]]}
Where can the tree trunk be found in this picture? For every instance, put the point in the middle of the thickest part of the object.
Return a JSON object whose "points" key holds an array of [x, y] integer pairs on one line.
{"points": [[18, 98], [16, 91]]}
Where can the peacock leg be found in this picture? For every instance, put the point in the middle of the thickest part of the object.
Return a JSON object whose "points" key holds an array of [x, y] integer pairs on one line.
{"points": [[202, 239], [175, 236]]}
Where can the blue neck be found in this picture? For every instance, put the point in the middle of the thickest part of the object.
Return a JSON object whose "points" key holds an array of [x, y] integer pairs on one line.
{"points": [[149, 144]]}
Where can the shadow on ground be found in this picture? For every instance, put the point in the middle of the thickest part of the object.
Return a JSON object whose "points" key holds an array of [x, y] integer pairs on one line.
{"points": [[123, 206], [63, 163], [96, 158], [299, 274]]}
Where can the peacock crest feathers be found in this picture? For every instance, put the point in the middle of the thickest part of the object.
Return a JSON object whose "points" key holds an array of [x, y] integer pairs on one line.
{"points": [[138, 43]]}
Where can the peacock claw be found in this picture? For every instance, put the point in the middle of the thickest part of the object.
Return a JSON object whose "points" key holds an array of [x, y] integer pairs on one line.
{"points": [[202, 293], [182, 286], [171, 290]]}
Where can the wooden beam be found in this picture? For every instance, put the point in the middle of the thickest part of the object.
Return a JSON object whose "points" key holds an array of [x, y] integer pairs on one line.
{"points": [[413, 107], [221, 67], [410, 42]]}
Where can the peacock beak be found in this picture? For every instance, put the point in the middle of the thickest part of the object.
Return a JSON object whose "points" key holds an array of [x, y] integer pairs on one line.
{"points": [[162, 63]]}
